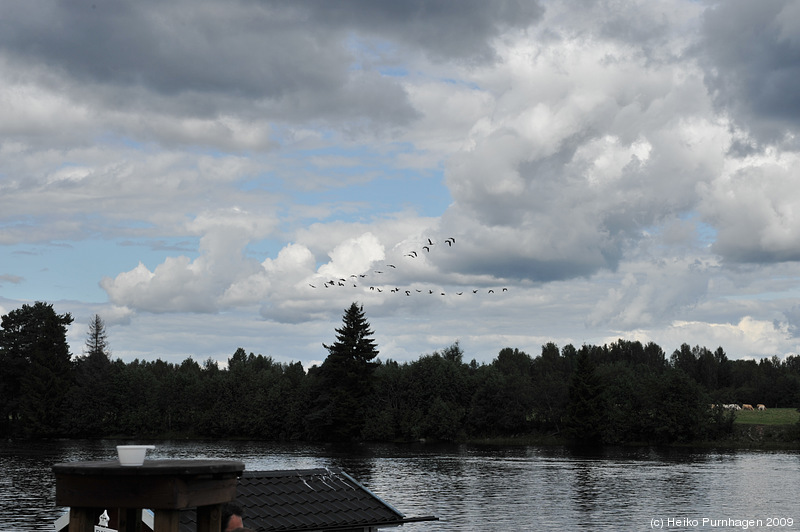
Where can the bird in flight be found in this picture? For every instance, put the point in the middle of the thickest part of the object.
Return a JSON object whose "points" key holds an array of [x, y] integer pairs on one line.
{"points": [[450, 241]]}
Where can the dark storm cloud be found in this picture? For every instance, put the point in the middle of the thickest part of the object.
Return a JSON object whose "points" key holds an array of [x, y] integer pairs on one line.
{"points": [[445, 30], [752, 53], [273, 60], [170, 48]]}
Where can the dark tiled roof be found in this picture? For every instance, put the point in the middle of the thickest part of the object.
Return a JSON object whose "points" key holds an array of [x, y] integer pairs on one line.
{"points": [[308, 499]]}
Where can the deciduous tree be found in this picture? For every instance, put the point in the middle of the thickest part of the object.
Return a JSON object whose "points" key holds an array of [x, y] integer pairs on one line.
{"points": [[35, 358]]}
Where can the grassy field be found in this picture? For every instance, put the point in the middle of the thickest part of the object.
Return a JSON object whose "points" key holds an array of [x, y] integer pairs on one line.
{"points": [[771, 416]]}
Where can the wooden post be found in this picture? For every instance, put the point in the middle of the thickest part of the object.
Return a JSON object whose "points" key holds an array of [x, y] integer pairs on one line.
{"points": [[130, 520], [82, 519], [166, 521], [209, 518]]}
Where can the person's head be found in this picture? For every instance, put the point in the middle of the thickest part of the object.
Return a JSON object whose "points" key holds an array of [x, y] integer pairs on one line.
{"points": [[231, 517]]}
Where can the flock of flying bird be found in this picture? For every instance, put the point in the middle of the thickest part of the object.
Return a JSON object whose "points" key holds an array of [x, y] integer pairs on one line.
{"points": [[356, 280]]}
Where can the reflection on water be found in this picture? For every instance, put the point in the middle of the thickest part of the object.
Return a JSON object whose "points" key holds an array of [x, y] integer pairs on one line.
{"points": [[470, 487]]}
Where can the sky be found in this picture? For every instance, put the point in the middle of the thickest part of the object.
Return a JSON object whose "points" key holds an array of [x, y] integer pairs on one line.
{"points": [[209, 175]]}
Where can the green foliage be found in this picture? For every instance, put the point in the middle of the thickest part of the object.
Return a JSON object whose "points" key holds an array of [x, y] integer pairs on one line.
{"points": [[345, 380], [36, 376], [586, 410], [90, 395], [624, 392], [770, 416]]}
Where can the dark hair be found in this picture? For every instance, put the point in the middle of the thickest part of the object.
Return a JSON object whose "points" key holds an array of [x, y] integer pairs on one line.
{"points": [[228, 510]]}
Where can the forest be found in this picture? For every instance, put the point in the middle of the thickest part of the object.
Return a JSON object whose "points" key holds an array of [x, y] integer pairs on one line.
{"points": [[623, 392]]}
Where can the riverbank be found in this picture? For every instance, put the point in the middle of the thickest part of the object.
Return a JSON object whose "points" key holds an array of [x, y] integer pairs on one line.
{"points": [[743, 437], [777, 428]]}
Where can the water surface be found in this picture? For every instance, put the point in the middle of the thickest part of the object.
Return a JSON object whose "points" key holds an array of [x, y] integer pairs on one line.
{"points": [[479, 487]]}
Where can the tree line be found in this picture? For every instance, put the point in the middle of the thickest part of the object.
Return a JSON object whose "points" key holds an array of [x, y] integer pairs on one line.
{"points": [[623, 392]]}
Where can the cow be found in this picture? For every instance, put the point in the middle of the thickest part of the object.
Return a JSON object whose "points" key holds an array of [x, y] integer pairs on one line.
{"points": [[747, 407], [761, 407], [731, 407]]}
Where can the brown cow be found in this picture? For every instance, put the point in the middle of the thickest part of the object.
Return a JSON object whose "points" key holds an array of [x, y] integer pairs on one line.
{"points": [[747, 407], [761, 407]]}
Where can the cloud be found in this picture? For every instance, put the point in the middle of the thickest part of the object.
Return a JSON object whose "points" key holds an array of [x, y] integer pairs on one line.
{"points": [[750, 52], [181, 284], [589, 143], [623, 167], [650, 294], [754, 206], [353, 256], [10, 278], [750, 336], [200, 74]]}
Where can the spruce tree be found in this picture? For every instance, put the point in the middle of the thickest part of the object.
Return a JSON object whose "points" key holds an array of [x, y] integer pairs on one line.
{"points": [[96, 339], [354, 341], [90, 395], [346, 378], [586, 410]]}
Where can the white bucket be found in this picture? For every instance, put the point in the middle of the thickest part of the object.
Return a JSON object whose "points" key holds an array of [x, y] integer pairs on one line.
{"points": [[132, 455]]}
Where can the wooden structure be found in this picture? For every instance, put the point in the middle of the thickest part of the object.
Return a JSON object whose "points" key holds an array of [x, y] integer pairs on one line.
{"points": [[165, 486]]}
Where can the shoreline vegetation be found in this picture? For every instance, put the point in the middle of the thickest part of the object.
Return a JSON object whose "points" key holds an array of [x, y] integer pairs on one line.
{"points": [[754, 437], [778, 430], [623, 393]]}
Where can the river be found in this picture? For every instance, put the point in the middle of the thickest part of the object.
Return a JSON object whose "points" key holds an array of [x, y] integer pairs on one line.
{"points": [[479, 488]]}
